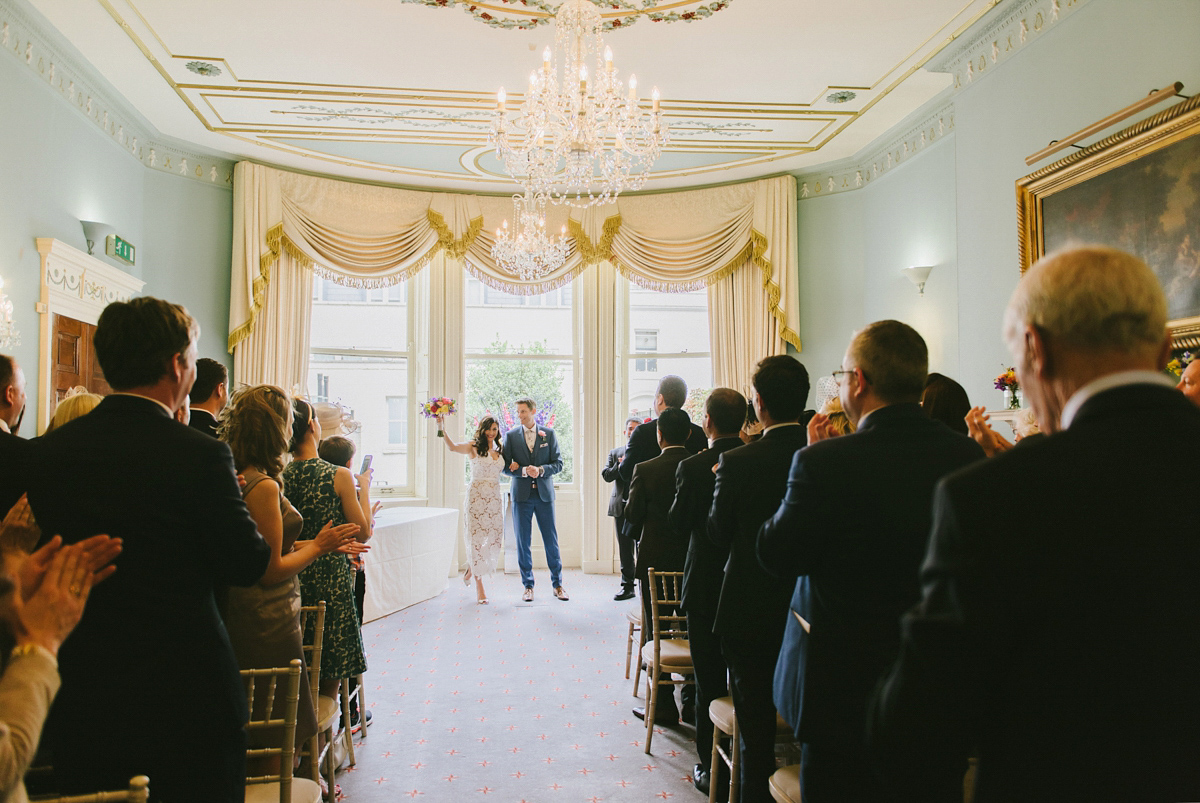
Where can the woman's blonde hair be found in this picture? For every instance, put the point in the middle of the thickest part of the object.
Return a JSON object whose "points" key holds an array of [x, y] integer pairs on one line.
{"points": [[837, 416], [257, 424], [77, 403]]}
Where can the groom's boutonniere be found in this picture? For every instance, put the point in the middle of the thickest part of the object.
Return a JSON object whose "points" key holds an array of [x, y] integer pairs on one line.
{"points": [[542, 432]]}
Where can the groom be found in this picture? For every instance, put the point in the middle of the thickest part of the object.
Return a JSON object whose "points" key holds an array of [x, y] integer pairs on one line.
{"points": [[531, 458]]}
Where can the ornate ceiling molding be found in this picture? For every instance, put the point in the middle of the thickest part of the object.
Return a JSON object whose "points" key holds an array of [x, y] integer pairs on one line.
{"points": [[37, 48], [524, 15], [1005, 33], [911, 137]]}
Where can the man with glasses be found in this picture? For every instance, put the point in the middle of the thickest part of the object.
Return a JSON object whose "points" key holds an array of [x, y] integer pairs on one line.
{"points": [[853, 529]]}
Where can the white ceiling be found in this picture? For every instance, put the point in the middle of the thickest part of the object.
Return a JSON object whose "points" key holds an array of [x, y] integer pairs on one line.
{"points": [[401, 91]]}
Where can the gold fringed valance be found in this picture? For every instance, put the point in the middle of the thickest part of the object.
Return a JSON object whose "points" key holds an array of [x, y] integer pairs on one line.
{"points": [[369, 236]]}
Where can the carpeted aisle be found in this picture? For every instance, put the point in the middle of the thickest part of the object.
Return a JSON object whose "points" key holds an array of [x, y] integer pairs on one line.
{"points": [[511, 702]]}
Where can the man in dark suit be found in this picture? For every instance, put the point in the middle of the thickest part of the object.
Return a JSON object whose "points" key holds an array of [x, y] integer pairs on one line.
{"points": [[208, 396], [853, 527], [149, 681], [643, 443], [750, 484], [14, 450], [626, 546], [531, 458], [1057, 631], [660, 546], [704, 568]]}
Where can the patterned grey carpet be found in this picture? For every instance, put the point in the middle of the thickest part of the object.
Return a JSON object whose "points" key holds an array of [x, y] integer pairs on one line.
{"points": [[511, 702]]}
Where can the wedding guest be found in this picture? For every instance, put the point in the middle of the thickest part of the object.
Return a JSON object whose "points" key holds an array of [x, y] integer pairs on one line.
{"points": [[945, 400], [324, 493], [835, 417], [643, 443], [1189, 382], [263, 620], [660, 546], [485, 504], [626, 546], [1024, 424], [208, 396], [14, 451], [42, 597], [753, 608], [1060, 645], [855, 569], [704, 566], [78, 402], [150, 659], [339, 450]]}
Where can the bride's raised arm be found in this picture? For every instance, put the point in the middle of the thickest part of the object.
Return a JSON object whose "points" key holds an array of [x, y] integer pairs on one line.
{"points": [[461, 448]]}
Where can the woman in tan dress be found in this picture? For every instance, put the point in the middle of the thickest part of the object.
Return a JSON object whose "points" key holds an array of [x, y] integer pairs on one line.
{"points": [[264, 620]]}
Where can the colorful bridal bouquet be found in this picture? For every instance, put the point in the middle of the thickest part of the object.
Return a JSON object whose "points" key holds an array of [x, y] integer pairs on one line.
{"points": [[438, 407]]}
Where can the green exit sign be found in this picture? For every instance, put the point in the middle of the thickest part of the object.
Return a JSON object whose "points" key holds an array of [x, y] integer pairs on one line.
{"points": [[122, 250]]}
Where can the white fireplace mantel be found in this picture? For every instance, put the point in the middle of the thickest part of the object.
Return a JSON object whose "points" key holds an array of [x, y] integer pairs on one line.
{"points": [[77, 286]]}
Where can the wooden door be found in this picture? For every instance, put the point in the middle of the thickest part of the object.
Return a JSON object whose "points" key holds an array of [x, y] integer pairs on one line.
{"points": [[74, 358]]}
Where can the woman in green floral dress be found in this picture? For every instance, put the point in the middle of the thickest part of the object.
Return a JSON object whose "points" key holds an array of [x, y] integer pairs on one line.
{"points": [[323, 492]]}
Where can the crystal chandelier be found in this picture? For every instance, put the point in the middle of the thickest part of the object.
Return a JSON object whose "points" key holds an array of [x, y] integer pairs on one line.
{"points": [[527, 252], [580, 137]]}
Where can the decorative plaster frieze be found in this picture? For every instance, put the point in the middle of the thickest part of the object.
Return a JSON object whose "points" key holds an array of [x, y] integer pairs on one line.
{"points": [[1003, 33], [40, 50], [856, 173]]}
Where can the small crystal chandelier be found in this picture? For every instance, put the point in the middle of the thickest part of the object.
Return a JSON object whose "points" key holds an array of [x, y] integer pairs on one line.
{"points": [[577, 140], [527, 252]]}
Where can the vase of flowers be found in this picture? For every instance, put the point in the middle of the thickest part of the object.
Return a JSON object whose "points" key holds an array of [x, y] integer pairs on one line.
{"points": [[1008, 383], [437, 407]]}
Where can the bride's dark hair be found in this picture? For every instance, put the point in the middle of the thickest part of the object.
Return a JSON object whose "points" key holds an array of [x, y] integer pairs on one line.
{"points": [[481, 442]]}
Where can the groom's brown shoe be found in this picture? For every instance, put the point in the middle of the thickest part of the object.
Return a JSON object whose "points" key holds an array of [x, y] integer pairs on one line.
{"points": [[528, 595], [561, 593]]}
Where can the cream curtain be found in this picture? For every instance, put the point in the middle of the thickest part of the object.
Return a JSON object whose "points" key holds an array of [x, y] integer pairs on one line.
{"points": [[287, 225], [747, 319]]}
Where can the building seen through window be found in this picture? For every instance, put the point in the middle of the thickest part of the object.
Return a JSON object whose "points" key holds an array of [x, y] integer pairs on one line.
{"points": [[667, 334], [359, 356]]}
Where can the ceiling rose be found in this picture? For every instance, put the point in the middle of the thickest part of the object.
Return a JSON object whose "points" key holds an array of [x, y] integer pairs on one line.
{"points": [[525, 15]]}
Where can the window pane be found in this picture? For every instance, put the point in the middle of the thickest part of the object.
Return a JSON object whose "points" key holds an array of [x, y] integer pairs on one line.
{"points": [[364, 385], [678, 320], [518, 324], [494, 385], [344, 321], [668, 323]]}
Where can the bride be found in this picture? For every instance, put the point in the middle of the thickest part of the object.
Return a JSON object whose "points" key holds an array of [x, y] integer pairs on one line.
{"points": [[485, 511]]}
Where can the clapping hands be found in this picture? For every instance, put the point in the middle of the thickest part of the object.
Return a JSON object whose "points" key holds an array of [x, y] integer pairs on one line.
{"points": [[339, 539]]}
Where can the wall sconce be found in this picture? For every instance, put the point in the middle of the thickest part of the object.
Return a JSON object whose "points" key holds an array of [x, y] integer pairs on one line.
{"points": [[918, 275], [9, 336], [95, 232]]}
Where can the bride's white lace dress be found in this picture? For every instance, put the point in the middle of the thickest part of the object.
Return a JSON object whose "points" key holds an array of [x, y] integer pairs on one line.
{"points": [[485, 515]]}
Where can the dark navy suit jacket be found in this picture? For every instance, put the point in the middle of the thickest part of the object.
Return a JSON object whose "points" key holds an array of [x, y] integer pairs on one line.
{"points": [[545, 455], [854, 526], [1057, 631]]}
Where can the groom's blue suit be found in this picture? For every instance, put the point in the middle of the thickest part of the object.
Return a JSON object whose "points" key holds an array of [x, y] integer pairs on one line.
{"points": [[534, 496]]}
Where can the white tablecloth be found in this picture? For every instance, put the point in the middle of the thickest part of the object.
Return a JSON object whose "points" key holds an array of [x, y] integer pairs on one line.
{"points": [[411, 553]]}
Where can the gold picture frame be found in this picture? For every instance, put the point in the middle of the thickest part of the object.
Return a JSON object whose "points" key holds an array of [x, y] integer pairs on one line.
{"points": [[1137, 190]]}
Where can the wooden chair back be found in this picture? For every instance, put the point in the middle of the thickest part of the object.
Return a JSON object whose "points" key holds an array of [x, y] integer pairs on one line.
{"points": [[261, 685], [312, 652], [666, 593]]}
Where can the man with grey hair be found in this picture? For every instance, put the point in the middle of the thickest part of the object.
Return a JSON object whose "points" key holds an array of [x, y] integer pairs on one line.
{"points": [[1056, 634]]}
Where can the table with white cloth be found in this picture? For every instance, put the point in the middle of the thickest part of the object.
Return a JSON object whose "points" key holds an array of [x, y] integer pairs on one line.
{"points": [[411, 553]]}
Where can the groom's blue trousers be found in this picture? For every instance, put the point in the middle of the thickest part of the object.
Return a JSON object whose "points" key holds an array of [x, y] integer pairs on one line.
{"points": [[525, 511]]}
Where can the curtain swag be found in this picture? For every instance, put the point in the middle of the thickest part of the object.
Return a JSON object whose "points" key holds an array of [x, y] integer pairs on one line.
{"points": [[366, 236]]}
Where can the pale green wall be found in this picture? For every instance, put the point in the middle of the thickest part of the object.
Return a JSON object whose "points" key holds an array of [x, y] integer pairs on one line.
{"points": [[956, 201], [56, 168]]}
